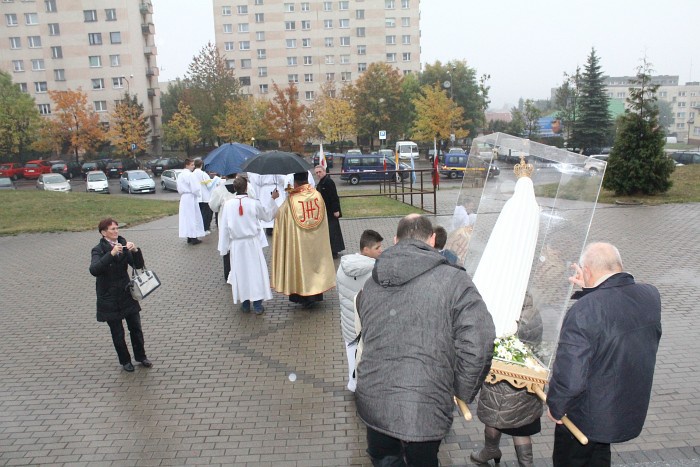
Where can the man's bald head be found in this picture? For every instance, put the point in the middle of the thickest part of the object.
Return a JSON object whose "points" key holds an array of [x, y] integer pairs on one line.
{"points": [[601, 259], [416, 227]]}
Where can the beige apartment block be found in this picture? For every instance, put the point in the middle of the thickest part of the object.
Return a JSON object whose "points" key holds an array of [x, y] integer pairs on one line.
{"points": [[104, 47], [313, 42]]}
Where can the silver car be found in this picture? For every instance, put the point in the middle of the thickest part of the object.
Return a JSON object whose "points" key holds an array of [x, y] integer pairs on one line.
{"points": [[52, 182], [137, 181], [168, 179], [96, 182]]}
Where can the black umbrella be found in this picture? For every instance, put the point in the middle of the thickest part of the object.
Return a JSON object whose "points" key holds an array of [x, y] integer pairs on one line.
{"points": [[276, 163]]}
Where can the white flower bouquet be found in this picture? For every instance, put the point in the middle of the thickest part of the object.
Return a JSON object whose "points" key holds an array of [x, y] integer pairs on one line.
{"points": [[513, 350]]}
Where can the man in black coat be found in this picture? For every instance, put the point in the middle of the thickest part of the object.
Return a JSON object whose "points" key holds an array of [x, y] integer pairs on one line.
{"points": [[326, 186], [604, 366]]}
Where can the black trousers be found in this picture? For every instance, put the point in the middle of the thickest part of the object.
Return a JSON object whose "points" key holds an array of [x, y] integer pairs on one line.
{"points": [[133, 322], [227, 265], [568, 452], [386, 451], [207, 215]]}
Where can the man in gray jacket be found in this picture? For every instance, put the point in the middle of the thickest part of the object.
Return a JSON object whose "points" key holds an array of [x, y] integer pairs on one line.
{"points": [[427, 337]]}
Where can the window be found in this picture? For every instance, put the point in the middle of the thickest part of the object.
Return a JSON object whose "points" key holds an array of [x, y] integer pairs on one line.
{"points": [[115, 60], [258, 2], [23, 88], [328, 41], [243, 27], [228, 28], [345, 76], [404, 4], [244, 80], [329, 59], [308, 77], [59, 74], [54, 29], [681, 94], [40, 86], [34, 42], [308, 60], [309, 95], [259, 17], [50, 6], [305, 6], [293, 78], [359, 14], [118, 82], [56, 52], [262, 54], [327, 6], [31, 19], [360, 32], [260, 36], [389, 4], [228, 46], [680, 115], [328, 23], [17, 65], [306, 25], [306, 42], [330, 76], [115, 37], [264, 89], [406, 56], [95, 61], [290, 25], [226, 10], [343, 5], [230, 64], [15, 43], [344, 59], [406, 39], [291, 43], [289, 7], [361, 67], [390, 22], [345, 41], [391, 57], [344, 23], [90, 16], [262, 72], [663, 94], [38, 64], [390, 40], [246, 63], [244, 45], [95, 38], [111, 14], [681, 104], [11, 19], [100, 106], [45, 109], [98, 83], [242, 9], [361, 50], [405, 22]]}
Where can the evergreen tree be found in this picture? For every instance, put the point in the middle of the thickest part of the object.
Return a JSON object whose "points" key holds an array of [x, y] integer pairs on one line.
{"points": [[637, 163], [592, 125]]}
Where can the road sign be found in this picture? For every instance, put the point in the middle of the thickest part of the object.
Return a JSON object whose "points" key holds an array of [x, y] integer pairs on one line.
{"points": [[133, 146], [382, 134]]}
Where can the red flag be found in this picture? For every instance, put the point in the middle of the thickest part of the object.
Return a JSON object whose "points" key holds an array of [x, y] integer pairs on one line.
{"points": [[384, 163], [436, 174], [322, 157]]}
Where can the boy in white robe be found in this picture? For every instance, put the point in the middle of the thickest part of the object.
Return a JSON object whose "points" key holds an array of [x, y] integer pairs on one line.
{"points": [[191, 225]]}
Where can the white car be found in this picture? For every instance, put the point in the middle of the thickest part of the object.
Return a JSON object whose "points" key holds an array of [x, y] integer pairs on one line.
{"points": [[168, 179], [137, 181], [52, 182], [96, 182], [596, 164]]}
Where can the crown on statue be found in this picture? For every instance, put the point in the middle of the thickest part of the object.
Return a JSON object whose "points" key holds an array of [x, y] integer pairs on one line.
{"points": [[522, 168]]}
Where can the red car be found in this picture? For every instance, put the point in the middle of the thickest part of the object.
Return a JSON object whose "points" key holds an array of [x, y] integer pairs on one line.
{"points": [[12, 170], [33, 169]]}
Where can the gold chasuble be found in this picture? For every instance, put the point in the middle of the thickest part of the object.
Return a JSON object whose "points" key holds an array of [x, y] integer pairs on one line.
{"points": [[302, 262]]}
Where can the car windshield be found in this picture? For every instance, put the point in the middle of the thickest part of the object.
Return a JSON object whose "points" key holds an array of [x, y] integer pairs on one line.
{"points": [[113, 165], [5, 166], [162, 162], [5, 182], [31, 166], [54, 179], [138, 175], [96, 177]]}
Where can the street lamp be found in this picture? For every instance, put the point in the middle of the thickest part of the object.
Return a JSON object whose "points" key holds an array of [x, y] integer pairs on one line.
{"points": [[252, 142], [127, 83], [691, 122]]}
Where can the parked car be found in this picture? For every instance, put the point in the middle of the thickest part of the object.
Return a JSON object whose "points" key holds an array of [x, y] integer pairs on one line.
{"points": [[96, 182], [33, 169], [115, 169], [371, 168], [13, 170], [686, 158], [52, 182], [137, 181], [92, 166], [68, 169], [459, 165], [149, 164], [596, 164], [168, 179], [6, 184], [329, 159], [167, 163]]}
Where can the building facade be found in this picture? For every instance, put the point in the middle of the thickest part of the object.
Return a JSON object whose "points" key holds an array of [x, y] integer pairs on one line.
{"points": [[313, 42], [103, 47]]}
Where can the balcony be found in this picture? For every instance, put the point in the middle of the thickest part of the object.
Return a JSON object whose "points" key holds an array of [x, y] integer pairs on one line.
{"points": [[150, 50], [151, 92], [151, 71], [146, 8], [148, 28]]}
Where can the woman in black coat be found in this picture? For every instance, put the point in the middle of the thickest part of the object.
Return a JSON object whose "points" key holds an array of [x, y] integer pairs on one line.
{"points": [[110, 260]]}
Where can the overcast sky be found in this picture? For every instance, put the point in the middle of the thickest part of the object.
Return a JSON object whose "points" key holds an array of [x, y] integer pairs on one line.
{"points": [[525, 45]]}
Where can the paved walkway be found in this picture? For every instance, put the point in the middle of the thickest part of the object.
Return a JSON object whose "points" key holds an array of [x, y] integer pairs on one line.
{"points": [[234, 389]]}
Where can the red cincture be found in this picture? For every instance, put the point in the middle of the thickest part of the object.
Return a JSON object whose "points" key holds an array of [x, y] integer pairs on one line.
{"points": [[240, 206]]}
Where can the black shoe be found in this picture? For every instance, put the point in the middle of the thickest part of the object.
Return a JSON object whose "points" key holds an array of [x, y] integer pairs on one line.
{"points": [[128, 367], [195, 241], [308, 304], [335, 255], [189, 240], [146, 363]]}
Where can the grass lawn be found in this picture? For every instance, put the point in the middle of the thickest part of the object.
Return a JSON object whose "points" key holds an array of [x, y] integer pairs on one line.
{"points": [[685, 189], [373, 206]]}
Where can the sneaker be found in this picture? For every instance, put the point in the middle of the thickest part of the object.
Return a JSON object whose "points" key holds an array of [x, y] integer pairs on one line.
{"points": [[207, 232]]}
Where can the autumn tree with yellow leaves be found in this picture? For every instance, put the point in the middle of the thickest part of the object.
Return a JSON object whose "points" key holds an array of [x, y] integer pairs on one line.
{"points": [[128, 126], [183, 129], [285, 118], [243, 119], [437, 116], [74, 122]]}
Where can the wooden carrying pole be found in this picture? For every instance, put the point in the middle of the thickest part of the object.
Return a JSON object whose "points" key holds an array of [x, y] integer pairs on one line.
{"points": [[583, 439]]}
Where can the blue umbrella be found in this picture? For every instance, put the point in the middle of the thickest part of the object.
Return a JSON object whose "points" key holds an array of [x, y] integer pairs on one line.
{"points": [[228, 158]]}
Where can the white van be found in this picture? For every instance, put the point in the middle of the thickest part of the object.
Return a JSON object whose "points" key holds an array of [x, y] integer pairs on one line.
{"points": [[407, 150]]}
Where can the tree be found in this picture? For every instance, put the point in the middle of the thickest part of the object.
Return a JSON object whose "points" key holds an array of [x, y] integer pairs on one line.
{"points": [[19, 118], [592, 125], [128, 126], [183, 129], [531, 116], [210, 84], [637, 163], [516, 126], [285, 117], [437, 116], [333, 118], [170, 99], [243, 120], [566, 100], [75, 122], [410, 90]]}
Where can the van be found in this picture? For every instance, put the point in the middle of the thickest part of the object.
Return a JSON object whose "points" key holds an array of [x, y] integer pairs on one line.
{"points": [[371, 168], [407, 150]]}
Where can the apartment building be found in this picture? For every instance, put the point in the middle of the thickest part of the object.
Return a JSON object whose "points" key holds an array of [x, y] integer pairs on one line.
{"points": [[683, 98], [104, 47], [313, 42]]}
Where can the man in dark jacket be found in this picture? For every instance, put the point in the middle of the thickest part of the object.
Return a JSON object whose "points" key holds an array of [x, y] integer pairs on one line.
{"points": [[326, 186], [427, 337], [604, 365]]}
